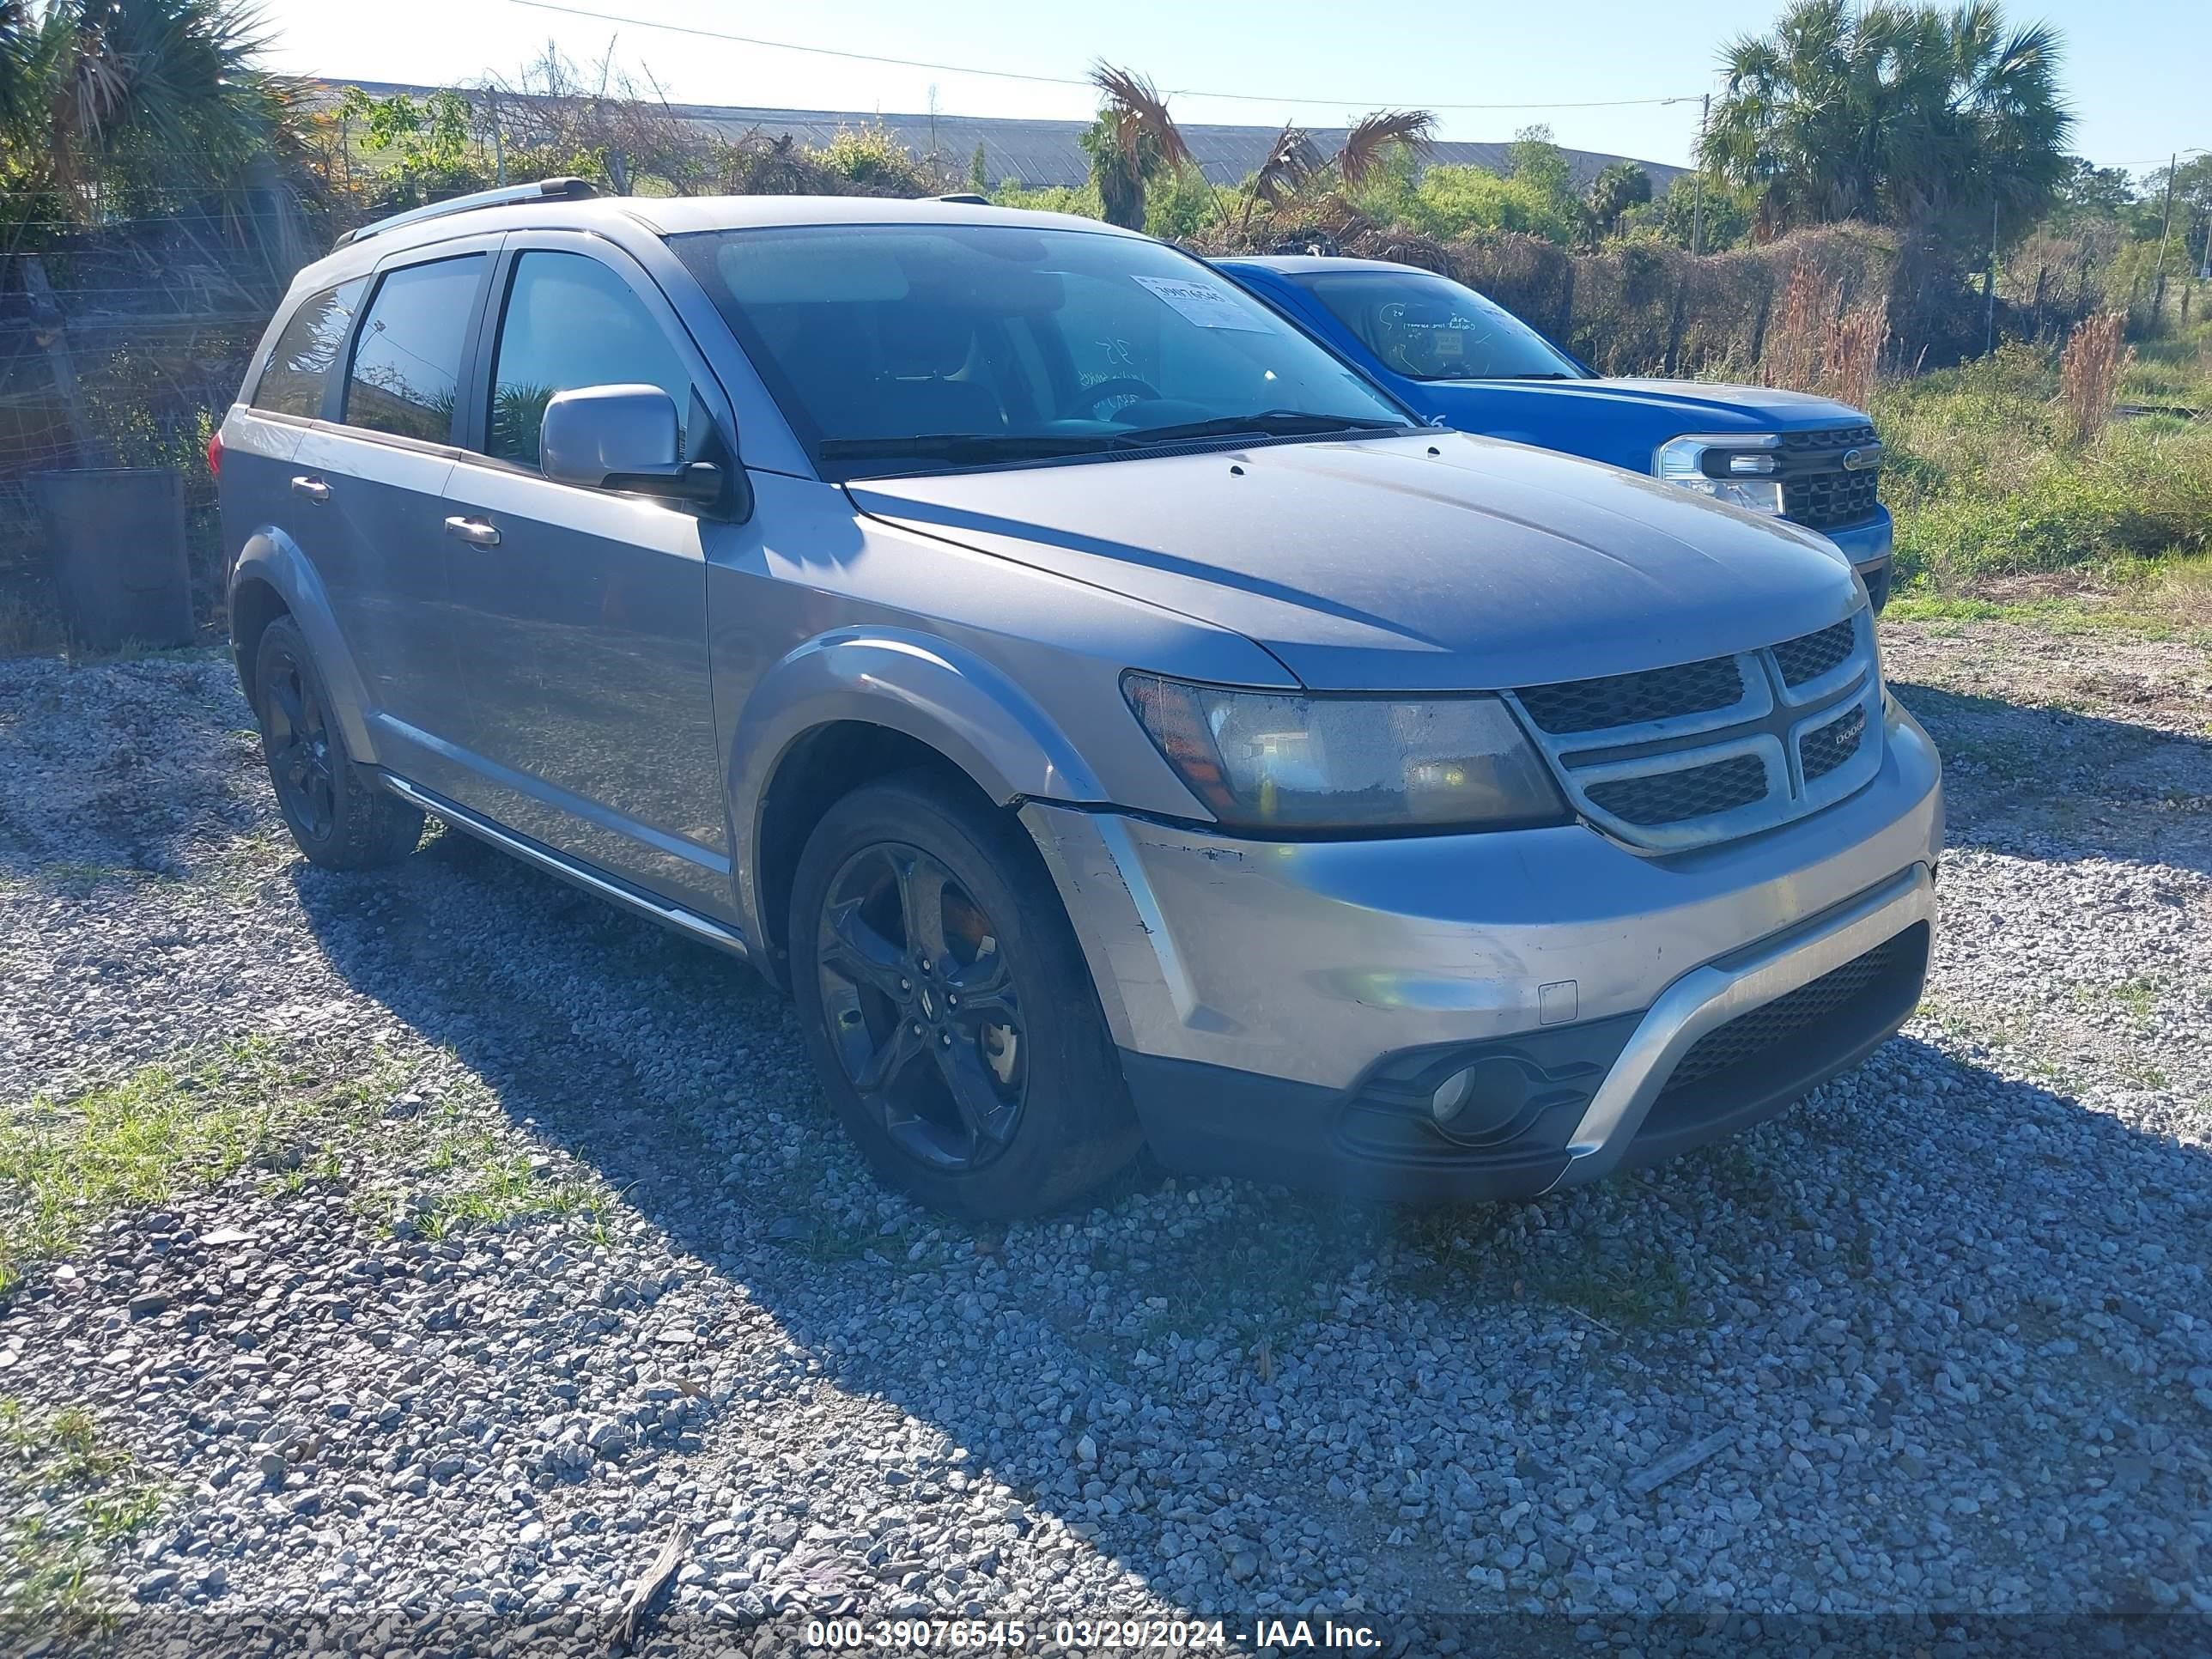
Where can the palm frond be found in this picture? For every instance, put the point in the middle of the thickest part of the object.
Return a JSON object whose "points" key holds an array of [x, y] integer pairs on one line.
{"points": [[1142, 110], [1292, 160], [1373, 135]]}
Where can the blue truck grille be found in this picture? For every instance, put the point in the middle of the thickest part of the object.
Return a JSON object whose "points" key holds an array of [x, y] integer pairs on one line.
{"points": [[1816, 490]]}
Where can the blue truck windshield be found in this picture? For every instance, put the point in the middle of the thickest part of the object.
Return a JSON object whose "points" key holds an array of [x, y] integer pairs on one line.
{"points": [[1431, 328]]}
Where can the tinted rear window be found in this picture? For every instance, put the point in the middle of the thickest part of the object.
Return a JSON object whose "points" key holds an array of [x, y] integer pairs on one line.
{"points": [[297, 370], [407, 356]]}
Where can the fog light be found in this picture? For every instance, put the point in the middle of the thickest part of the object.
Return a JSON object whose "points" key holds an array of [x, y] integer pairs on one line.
{"points": [[1480, 1103]]}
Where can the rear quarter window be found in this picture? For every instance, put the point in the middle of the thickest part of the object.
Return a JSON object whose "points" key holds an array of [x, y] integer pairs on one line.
{"points": [[297, 372]]}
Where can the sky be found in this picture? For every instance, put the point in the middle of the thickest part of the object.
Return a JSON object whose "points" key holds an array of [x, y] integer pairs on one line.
{"points": [[2139, 72]]}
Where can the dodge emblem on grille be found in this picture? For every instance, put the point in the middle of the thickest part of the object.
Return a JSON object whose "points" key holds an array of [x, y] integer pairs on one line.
{"points": [[1862, 459]]}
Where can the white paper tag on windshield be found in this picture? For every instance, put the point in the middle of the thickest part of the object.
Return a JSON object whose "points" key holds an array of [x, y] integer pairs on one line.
{"points": [[1204, 304]]}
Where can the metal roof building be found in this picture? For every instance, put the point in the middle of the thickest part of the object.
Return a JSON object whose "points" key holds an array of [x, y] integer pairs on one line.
{"points": [[1037, 153]]}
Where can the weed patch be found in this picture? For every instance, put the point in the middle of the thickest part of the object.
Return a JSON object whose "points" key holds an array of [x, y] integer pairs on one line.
{"points": [[69, 1494], [165, 1130]]}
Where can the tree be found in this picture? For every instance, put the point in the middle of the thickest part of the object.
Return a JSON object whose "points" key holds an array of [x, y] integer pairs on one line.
{"points": [[144, 101], [1132, 141], [2088, 193], [979, 180], [2192, 207], [1902, 114], [1380, 134], [1618, 186]]}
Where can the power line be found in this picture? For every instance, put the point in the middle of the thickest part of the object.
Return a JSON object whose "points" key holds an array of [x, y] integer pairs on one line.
{"points": [[1055, 80]]}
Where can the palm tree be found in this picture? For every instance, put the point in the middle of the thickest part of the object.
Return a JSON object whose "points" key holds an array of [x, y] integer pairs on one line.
{"points": [[1901, 113], [1374, 136], [98, 94], [1618, 186], [1132, 141], [1292, 160]]}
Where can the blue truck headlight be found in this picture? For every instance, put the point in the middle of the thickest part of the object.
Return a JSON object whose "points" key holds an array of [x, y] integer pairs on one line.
{"points": [[1731, 467]]}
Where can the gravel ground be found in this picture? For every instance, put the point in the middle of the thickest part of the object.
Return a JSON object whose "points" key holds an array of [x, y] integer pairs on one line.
{"points": [[515, 1242]]}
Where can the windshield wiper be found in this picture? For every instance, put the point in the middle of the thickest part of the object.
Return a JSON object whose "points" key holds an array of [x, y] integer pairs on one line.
{"points": [[961, 446], [1268, 423], [1541, 374]]}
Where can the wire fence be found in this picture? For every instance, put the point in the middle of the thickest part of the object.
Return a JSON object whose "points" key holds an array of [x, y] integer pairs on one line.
{"points": [[120, 343]]}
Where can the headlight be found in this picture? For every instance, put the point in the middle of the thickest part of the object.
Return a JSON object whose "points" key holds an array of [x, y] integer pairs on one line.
{"points": [[1734, 469], [1265, 760]]}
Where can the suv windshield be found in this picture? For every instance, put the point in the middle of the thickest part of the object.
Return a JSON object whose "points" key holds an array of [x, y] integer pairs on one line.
{"points": [[1431, 328], [907, 348]]}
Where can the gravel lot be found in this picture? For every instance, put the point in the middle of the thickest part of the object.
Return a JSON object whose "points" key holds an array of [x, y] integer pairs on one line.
{"points": [[535, 1247]]}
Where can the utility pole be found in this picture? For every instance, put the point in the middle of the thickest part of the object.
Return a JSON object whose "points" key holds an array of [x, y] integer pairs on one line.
{"points": [[2158, 292], [1698, 202]]}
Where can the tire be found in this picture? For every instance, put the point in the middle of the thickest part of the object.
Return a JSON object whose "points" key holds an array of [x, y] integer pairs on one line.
{"points": [[338, 814], [1011, 1105]]}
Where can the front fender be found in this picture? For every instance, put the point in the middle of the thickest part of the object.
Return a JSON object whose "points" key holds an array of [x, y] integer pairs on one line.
{"points": [[910, 683], [273, 558]]}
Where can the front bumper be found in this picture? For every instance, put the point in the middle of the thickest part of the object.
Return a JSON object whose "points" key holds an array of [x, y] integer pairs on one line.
{"points": [[1283, 1009], [1869, 545]]}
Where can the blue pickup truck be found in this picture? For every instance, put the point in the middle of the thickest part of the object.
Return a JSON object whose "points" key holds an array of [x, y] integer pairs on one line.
{"points": [[1459, 358]]}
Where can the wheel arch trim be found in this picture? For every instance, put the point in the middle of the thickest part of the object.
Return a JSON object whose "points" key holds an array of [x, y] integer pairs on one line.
{"points": [[273, 559], [913, 684]]}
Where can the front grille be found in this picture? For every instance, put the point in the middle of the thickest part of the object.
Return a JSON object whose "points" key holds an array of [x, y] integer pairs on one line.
{"points": [[1776, 1022], [1814, 655], [1834, 441], [1658, 694], [1671, 759], [1822, 499], [1662, 797], [1815, 488], [1824, 750]]}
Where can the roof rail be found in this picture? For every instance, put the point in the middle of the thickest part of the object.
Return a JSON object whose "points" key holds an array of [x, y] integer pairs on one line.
{"points": [[571, 189]]}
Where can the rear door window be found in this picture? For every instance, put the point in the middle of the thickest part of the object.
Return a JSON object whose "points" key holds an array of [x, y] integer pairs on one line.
{"points": [[407, 355], [297, 372], [570, 322]]}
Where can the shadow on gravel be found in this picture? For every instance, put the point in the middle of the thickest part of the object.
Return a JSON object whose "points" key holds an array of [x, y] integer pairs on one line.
{"points": [[1927, 1276], [2017, 776]]}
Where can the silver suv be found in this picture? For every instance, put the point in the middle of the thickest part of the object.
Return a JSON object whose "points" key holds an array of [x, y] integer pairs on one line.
{"points": [[1115, 720]]}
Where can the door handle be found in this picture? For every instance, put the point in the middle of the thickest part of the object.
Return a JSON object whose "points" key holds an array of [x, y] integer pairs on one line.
{"points": [[477, 532], [313, 489]]}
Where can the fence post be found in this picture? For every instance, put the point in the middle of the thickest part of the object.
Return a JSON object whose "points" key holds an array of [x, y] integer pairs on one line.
{"points": [[1674, 324], [53, 330]]}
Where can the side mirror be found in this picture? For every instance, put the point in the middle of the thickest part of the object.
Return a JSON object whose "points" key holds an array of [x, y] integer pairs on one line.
{"points": [[621, 437]]}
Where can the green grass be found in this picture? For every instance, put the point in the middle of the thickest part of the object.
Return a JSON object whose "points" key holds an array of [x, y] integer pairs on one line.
{"points": [[165, 1130], [1984, 486], [2135, 598], [501, 1189], [68, 1495]]}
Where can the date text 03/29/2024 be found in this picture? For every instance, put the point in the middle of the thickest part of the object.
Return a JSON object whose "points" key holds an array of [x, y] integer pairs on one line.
{"points": [[1080, 1636]]}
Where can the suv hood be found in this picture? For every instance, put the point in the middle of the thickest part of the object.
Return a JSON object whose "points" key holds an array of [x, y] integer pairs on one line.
{"points": [[1434, 561], [1672, 407]]}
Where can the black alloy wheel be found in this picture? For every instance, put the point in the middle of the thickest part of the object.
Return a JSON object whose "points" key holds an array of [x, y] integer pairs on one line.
{"points": [[296, 733], [948, 1005], [339, 813], [921, 1006]]}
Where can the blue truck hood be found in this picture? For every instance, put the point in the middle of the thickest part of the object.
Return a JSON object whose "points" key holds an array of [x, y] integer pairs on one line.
{"points": [[1641, 414]]}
